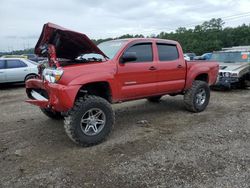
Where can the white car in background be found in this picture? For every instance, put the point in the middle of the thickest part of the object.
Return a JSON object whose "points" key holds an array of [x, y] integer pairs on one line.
{"points": [[186, 57], [17, 70]]}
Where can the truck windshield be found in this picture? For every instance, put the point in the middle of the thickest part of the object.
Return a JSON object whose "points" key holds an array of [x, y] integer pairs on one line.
{"points": [[231, 57], [110, 48]]}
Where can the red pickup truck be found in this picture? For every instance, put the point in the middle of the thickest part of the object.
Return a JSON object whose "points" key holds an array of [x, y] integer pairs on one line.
{"points": [[80, 80]]}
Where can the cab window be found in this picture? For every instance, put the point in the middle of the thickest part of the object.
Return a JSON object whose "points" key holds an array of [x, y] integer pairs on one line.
{"points": [[15, 64], [143, 52], [2, 64], [167, 52]]}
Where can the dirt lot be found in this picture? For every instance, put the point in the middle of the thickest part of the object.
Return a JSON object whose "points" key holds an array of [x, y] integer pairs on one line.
{"points": [[172, 148]]}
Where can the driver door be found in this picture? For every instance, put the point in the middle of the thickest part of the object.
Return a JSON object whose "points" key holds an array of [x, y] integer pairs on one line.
{"points": [[16, 70], [137, 78]]}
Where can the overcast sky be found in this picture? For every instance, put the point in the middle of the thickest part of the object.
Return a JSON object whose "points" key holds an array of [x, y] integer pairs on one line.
{"points": [[21, 21]]}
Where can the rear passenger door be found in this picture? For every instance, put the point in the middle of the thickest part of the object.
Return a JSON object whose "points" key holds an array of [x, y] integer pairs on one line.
{"points": [[16, 70], [171, 72], [137, 78], [2, 71]]}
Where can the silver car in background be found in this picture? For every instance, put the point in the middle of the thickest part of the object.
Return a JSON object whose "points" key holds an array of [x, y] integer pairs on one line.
{"points": [[17, 70], [234, 66]]}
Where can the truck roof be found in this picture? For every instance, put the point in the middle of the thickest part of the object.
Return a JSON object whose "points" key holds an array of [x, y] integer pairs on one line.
{"points": [[147, 40]]}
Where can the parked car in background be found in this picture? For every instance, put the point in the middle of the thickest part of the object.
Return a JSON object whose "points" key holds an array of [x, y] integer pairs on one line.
{"points": [[205, 56], [198, 58], [186, 57], [34, 57], [190, 55], [234, 66], [14, 56], [17, 70]]}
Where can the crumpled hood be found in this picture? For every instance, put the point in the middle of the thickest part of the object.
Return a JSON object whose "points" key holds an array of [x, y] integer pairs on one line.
{"points": [[68, 44], [233, 66]]}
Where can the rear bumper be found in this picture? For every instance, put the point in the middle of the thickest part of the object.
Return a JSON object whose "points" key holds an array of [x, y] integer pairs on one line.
{"points": [[49, 95]]}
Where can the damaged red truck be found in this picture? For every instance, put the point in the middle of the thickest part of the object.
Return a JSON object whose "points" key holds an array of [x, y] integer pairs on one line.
{"points": [[80, 80]]}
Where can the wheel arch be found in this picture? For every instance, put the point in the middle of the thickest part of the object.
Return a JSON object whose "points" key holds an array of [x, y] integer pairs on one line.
{"points": [[202, 77], [30, 74], [98, 88]]}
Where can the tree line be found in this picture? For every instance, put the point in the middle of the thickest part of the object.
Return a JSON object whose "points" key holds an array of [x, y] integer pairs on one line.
{"points": [[207, 37]]}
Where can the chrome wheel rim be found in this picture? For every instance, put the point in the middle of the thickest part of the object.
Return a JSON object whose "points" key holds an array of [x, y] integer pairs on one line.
{"points": [[93, 121], [201, 97]]}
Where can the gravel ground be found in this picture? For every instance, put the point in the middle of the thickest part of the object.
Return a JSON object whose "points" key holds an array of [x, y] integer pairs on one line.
{"points": [[152, 145]]}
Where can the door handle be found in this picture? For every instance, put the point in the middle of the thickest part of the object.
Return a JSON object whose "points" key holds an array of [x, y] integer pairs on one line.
{"points": [[152, 68], [1, 72], [179, 66], [25, 70]]}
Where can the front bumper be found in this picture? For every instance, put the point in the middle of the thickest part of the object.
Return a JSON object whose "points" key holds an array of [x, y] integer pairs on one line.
{"points": [[226, 81], [57, 97]]}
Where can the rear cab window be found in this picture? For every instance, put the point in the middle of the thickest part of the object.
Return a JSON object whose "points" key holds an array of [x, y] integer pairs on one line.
{"points": [[167, 52], [15, 64], [143, 51]]}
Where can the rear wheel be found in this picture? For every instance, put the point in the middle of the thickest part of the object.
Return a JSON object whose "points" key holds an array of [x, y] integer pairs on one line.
{"points": [[51, 114], [154, 99], [90, 121], [197, 97]]}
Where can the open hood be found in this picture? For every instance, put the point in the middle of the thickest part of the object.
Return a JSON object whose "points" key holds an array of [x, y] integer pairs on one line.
{"points": [[68, 44]]}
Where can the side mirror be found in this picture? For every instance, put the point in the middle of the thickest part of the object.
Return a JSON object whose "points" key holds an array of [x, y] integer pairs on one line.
{"points": [[129, 56]]}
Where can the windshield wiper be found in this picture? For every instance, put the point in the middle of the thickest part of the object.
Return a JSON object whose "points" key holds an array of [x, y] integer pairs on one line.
{"points": [[94, 59], [86, 60]]}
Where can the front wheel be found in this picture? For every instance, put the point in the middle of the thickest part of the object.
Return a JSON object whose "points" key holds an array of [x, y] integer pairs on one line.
{"points": [[90, 121], [197, 97]]}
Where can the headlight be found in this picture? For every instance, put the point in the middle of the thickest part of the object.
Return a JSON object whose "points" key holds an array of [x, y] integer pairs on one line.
{"points": [[52, 75], [227, 74]]}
